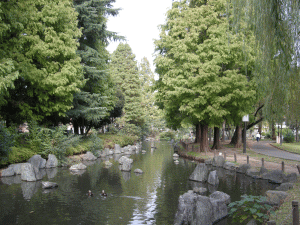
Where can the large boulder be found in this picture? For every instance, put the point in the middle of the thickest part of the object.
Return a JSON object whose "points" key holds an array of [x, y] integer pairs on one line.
{"points": [[79, 166], [37, 161], [221, 196], [213, 178], [200, 173], [275, 176], [194, 209], [208, 161], [218, 161], [52, 161], [17, 168], [285, 187], [117, 149], [200, 210], [88, 156], [125, 159], [263, 170], [292, 177], [8, 172], [252, 172], [28, 173], [276, 197], [199, 190], [229, 166], [243, 168]]}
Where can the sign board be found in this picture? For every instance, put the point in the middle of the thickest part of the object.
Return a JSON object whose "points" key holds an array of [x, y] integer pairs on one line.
{"points": [[246, 118]]}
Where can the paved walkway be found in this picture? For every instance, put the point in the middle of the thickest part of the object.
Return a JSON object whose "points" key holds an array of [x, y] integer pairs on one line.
{"points": [[263, 147]]}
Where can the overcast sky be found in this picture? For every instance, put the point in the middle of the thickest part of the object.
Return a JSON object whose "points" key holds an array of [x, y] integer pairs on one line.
{"points": [[138, 21]]}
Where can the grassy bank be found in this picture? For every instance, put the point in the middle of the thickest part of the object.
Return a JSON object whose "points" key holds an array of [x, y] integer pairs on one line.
{"points": [[290, 147], [64, 146]]}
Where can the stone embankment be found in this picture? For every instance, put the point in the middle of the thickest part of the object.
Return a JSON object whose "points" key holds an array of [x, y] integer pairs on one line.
{"points": [[197, 209]]}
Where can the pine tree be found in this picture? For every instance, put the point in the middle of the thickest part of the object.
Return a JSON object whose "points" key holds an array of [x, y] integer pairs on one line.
{"points": [[96, 99], [201, 80], [40, 39], [124, 71], [153, 115]]}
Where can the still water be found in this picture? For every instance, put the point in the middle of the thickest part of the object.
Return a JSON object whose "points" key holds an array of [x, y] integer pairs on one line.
{"points": [[150, 198]]}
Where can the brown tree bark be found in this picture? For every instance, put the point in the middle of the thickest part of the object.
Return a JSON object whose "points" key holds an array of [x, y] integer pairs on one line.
{"points": [[237, 137], [223, 131], [216, 144], [204, 145], [273, 136], [198, 133]]}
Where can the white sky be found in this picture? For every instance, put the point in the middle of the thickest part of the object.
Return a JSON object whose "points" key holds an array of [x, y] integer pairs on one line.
{"points": [[138, 21]]}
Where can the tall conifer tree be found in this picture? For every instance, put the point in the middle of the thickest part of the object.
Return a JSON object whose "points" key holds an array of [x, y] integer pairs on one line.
{"points": [[124, 71], [96, 98], [201, 80]]}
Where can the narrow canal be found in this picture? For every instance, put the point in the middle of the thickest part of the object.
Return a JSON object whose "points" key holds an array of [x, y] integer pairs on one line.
{"points": [[150, 198]]}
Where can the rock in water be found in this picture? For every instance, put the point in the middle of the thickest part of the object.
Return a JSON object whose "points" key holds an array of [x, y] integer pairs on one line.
{"points": [[52, 161], [8, 172], [213, 178], [89, 156], [79, 166], [37, 161], [48, 185], [138, 171], [200, 173], [28, 173]]}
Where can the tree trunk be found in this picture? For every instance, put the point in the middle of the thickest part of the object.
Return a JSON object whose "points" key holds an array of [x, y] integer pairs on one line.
{"points": [[198, 133], [216, 144], [297, 136], [223, 131], [273, 137], [237, 137], [209, 135], [204, 145]]}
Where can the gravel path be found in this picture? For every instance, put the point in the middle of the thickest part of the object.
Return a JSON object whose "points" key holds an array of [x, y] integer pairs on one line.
{"points": [[263, 147]]}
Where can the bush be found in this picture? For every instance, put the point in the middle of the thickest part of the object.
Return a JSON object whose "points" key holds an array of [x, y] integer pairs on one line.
{"points": [[131, 129], [289, 138], [263, 133], [95, 142], [268, 135], [112, 129], [7, 140], [167, 136], [250, 207]]}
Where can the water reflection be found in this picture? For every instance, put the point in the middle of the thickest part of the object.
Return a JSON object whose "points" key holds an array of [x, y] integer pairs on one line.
{"points": [[151, 198]]}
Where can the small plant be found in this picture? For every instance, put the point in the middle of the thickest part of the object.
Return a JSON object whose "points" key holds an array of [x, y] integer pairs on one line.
{"points": [[167, 136], [250, 207], [95, 142]]}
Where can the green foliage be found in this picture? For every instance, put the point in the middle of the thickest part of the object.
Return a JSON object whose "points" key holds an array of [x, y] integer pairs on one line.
{"points": [[97, 97], [250, 207], [202, 75], [131, 129], [112, 129], [7, 140], [54, 141], [40, 39], [289, 138], [167, 135], [20, 154], [110, 140], [95, 142], [123, 68]]}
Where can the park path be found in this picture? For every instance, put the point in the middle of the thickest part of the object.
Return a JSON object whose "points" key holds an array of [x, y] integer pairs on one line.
{"points": [[264, 147]]}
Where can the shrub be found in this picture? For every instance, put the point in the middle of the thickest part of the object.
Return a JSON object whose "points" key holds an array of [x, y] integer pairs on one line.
{"points": [[167, 136], [289, 138], [95, 143], [263, 133], [7, 140], [131, 129], [112, 129], [250, 207]]}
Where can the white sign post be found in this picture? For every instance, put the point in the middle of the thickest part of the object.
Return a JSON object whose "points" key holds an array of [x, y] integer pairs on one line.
{"points": [[245, 120]]}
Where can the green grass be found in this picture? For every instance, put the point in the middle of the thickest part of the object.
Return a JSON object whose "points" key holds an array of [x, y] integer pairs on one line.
{"points": [[283, 214], [290, 147]]}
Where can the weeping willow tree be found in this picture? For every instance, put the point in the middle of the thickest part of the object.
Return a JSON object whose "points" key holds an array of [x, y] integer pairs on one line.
{"points": [[276, 27]]}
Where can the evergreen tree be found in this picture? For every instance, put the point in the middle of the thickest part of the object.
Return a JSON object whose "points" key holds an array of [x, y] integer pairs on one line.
{"points": [[125, 73], [38, 39], [97, 98], [201, 75], [153, 115]]}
